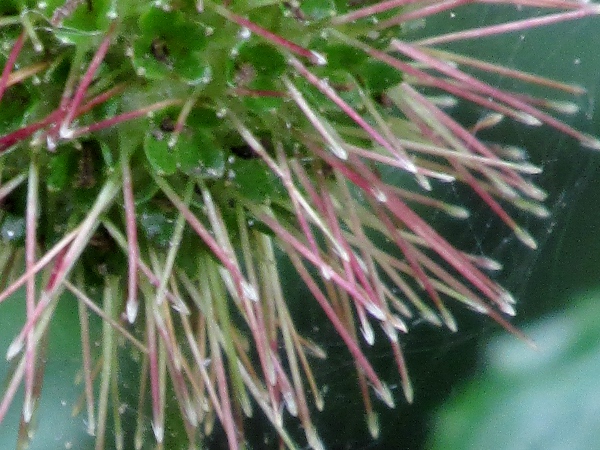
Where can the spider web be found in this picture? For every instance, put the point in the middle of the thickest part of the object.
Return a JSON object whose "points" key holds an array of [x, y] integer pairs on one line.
{"points": [[438, 359]]}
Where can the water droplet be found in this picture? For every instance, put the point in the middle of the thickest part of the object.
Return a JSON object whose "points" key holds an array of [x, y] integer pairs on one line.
{"points": [[65, 132], [244, 33], [13, 228], [51, 143], [164, 6]]}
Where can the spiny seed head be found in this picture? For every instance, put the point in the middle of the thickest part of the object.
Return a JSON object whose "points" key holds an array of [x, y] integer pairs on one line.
{"points": [[169, 153]]}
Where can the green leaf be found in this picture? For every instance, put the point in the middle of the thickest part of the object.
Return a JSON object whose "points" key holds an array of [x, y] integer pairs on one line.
{"points": [[318, 9], [378, 76], [171, 43], [193, 68], [156, 224], [62, 168], [197, 154], [91, 16], [253, 180], [265, 59], [545, 398], [162, 158], [342, 56], [158, 22]]}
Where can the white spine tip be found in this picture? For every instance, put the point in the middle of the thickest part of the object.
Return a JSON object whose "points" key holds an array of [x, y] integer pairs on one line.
{"points": [[375, 311], [320, 403], [367, 332], [250, 292], [391, 332], [449, 321], [479, 307], [132, 310], [508, 309], [28, 407], [488, 263], [338, 151], [51, 143], [526, 238], [431, 318], [191, 414], [530, 169], [506, 297], [398, 323], [317, 58], [314, 440], [409, 393], [423, 182], [568, 108], [591, 142], [458, 212], [159, 432], [385, 395], [373, 424], [540, 211], [528, 119], [290, 404], [14, 349]]}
